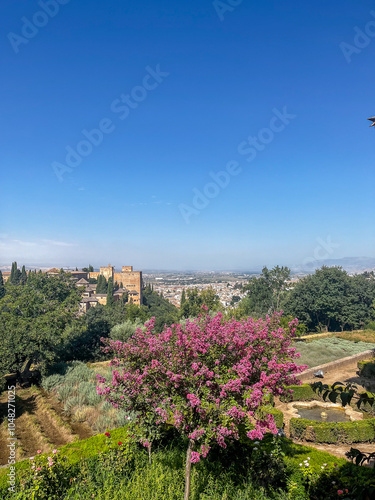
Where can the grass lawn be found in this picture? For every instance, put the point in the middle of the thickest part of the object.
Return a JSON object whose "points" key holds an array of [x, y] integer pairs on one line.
{"points": [[325, 350]]}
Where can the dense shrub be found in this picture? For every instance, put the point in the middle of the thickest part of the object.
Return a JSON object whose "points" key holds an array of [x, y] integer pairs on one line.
{"points": [[51, 382], [302, 392], [125, 330], [367, 368]]}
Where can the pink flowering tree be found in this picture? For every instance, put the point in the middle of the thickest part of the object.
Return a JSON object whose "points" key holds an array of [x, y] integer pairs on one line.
{"points": [[210, 379]]}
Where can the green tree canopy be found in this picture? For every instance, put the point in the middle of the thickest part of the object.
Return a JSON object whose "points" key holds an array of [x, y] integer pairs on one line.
{"points": [[331, 300], [33, 318], [192, 306], [265, 293], [156, 305]]}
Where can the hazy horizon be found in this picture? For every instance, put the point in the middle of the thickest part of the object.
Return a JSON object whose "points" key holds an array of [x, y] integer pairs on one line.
{"points": [[350, 262]]}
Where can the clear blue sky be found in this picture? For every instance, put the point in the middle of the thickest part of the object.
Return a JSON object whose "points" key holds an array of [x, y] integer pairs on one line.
{"points": [[220, 76]]}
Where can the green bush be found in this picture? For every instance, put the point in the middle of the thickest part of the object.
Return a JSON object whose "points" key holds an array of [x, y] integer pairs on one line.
{"points": [[76, 389], [72, 402], [370, 325], [64, 392], [51, 382], [302, 392], [367, 368], [104, 422], [278, 416], [125, 330], [88, 391], [79, 372], [359, 431]]}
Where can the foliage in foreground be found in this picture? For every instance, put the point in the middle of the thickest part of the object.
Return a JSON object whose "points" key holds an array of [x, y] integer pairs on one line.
{"points": [[274, 468], [209, 379]]}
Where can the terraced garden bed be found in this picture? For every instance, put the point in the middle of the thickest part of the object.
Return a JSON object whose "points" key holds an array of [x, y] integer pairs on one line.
{"points": [[325, 350]]}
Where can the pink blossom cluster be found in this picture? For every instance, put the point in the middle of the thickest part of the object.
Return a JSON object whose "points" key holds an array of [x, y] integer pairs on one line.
{"points": [[208, 378]]}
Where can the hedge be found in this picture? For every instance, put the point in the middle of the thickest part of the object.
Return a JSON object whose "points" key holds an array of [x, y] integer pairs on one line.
{"points": [[359, 431], [367, 368], [302, 392]]}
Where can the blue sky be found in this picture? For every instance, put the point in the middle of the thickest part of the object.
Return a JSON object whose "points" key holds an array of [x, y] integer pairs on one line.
{"points": [[218, 74]]}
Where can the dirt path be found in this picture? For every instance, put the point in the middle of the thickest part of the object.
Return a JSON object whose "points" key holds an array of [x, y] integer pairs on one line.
{"points": [[338, 450], [30, 437], [347, 374]]}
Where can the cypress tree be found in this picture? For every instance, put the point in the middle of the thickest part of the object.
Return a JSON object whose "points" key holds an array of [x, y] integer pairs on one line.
{"points": [[99, 284], [183, 298], [15, 274], [11, 278], [2, 287], [17, 278], [23, 278], [110, 298]]}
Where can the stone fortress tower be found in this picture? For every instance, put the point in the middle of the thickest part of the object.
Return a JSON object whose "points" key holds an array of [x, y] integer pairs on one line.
{"points": [[131, 280]]}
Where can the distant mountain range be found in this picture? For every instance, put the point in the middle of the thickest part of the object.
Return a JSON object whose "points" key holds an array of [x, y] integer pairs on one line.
{"points": [[350, 264]]}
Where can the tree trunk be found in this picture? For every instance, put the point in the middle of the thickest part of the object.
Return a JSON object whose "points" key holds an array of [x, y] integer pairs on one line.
{"points": [[27, 367], [188, 470]]}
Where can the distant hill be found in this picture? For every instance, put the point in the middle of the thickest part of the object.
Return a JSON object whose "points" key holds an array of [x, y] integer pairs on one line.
{"points": [[350, 264]]}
